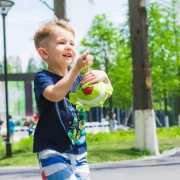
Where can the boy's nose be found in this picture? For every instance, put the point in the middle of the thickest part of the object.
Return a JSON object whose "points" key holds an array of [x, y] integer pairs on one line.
{"points": [[68, 46]]}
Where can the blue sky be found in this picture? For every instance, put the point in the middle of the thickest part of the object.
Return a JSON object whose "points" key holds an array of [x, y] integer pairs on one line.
{"points": [[27, 15]]}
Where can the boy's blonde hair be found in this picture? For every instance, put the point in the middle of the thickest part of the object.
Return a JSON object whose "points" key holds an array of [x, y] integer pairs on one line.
{"points": [[46, 31]]}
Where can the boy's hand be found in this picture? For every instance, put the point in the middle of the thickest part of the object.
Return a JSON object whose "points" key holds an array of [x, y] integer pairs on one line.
{"points": [[84, 61], [95, 76]]}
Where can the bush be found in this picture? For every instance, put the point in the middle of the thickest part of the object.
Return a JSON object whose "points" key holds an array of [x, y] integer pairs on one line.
{"points": [[23, 145], [119, 135], [2, 147]]}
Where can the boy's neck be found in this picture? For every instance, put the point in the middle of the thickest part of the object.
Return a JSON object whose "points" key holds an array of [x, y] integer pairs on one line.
{"points": [[60, 72]]}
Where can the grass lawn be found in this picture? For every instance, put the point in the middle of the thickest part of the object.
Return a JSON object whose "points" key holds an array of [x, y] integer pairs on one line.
{"points": [[102, 147]]}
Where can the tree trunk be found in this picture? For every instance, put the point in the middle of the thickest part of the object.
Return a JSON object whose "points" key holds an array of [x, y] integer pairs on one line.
{"points": [[60, 9], [145, 124]]}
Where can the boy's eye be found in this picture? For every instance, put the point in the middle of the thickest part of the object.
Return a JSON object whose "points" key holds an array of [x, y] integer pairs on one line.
{"points": [[61, 43], [72, 44]]}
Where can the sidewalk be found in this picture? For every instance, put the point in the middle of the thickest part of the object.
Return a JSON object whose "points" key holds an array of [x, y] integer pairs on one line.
{"points": [[170, 157]]}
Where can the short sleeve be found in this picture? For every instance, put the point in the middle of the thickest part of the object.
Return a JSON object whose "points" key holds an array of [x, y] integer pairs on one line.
{"points": [[41, 81], [78, 79]]}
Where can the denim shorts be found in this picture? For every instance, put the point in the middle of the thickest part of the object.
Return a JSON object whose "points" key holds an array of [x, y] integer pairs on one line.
{"points": [[63, 166]]}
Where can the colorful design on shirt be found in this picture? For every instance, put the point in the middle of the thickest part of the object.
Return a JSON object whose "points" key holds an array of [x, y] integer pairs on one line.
{"points": [[90, 95], [76, 130]]}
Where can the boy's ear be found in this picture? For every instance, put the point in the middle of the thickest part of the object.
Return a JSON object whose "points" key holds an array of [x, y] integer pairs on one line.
{"points": [[43, 53]]}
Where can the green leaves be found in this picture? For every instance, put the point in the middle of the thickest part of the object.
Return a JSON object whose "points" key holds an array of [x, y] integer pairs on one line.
{"points": [[111, 50], [164, 50], [32, 65]]}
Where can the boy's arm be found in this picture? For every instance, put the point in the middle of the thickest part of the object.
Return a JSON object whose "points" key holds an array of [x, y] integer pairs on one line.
{"points": [[58, 91]]}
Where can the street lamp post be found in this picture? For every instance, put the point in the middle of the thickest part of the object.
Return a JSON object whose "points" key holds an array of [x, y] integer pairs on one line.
{"points": [[5, 6]]}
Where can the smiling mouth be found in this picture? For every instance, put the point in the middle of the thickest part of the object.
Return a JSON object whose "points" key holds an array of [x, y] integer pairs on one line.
{"points": [[67, 55]]}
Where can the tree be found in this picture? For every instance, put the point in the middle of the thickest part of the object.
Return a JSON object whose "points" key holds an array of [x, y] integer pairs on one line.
{"points": [[121, 73], [101, 43], [164, 52], [176, 31], [17, 65], [43, 65], [1, 68], [32, 65], [110, 47], [59, 8], [145, 126]]}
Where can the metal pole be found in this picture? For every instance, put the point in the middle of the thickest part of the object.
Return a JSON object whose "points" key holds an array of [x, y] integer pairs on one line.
{"points": [[8, 144]]}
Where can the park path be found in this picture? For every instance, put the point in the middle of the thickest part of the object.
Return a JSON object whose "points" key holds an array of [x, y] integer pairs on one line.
{"points": [[165, 166]]}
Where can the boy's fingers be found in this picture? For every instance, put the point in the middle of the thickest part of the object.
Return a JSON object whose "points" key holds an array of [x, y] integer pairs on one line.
{"points": [[92, 81], [87, 75], [89, 80], [89, 60], [83, 56]]}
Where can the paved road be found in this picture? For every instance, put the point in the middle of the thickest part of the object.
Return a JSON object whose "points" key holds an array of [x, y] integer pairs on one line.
{"points": [[128, 173], [164, 167]]}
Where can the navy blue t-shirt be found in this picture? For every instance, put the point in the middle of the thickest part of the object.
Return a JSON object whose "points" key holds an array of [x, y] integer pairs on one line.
{"points": [[55, 118]]}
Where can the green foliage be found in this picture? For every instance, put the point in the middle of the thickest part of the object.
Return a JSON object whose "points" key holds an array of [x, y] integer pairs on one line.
{"points": [[9, 68], [23, 145], [1, 67], [173, 131], [164, 51], [110, 46], [16, 98], [1, 145], [35, 65], [43, 65], [101, 42], [121, 74], [14, 64], [111, 50], [32, 65]]}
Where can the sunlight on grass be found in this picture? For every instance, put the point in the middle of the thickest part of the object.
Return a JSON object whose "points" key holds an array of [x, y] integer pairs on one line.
{"points": [[102, 147]]}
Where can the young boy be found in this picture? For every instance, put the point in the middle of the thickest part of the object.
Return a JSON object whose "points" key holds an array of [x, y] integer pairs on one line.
{"points": [[59, 156]]}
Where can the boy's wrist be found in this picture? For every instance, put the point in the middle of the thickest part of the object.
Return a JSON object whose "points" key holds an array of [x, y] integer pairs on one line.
{"points": [[76, 69]]}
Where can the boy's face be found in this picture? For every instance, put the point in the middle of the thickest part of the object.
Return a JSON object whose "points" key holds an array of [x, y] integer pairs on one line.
{"points": [[60, 48]]}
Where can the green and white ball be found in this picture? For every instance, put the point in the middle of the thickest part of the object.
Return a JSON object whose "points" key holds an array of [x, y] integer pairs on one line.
{"points": [[90, 95]]}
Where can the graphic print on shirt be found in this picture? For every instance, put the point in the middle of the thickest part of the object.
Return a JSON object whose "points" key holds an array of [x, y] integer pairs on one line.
{"points": [[76, 130]]}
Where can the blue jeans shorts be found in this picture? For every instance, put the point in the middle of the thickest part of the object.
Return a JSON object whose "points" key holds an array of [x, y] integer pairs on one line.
{"points": [[63, 166]]}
